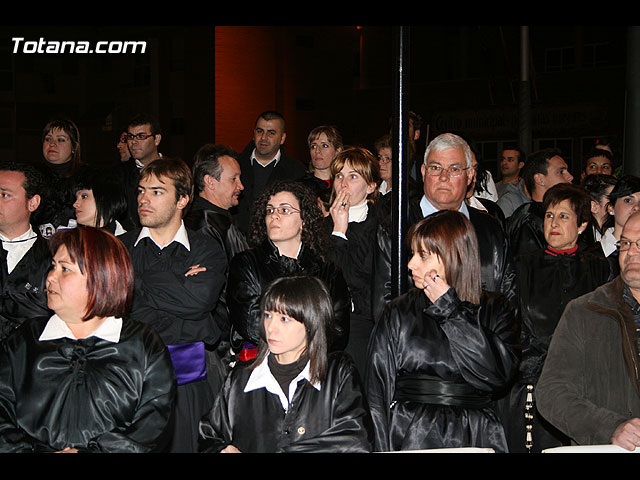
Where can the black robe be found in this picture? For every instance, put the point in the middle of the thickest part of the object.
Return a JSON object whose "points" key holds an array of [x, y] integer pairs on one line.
{"points": [[180, 309], [546, 283], [453, 346], [90, 394], [250, 272], [333, 419], [355, 257], [496, 262], [23, 291], [177, 307]]}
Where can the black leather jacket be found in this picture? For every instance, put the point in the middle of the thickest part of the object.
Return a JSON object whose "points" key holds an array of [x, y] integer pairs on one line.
{"points": [[496, 262], [250, 271], [332, 419]]}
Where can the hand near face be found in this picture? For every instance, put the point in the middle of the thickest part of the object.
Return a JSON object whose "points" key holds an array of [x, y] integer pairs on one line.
{"points": [[340, 212], [434, 285]]}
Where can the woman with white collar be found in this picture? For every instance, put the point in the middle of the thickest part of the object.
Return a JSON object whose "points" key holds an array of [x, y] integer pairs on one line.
{"points": [[353, 222], [296, 396], [87, 379], [624, 199]]}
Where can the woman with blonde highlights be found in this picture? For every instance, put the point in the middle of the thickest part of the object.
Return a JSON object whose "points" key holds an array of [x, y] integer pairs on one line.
{"points": [[440, 352]]}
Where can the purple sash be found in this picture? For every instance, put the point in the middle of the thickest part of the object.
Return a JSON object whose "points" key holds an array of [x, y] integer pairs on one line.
{"points": [[188, 361]]}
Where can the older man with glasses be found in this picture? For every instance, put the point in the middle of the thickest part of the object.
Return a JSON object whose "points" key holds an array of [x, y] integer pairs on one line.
{"points": [[446, 173]]}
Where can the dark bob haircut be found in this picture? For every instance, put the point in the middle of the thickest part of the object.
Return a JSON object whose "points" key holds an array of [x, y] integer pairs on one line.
{"points": [[450, 235], [110, 199], [106, 263], [305, 299], [578, 198]]}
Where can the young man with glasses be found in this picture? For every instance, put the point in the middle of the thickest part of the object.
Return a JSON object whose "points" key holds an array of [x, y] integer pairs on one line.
{"points": [[142, 136]]}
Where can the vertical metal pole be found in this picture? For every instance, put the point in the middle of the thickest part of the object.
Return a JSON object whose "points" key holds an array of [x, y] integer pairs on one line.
{"points": [[400, 160], [524, 100]]}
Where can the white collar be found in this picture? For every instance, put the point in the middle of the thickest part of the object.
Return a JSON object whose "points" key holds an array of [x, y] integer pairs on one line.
{"points": [[358, 213], [140, 165], [56, 328], [427, 208], [275, 159], [180, 237], [608, 242], [18, 247], [261, 377], [28, 235], [384, 188], [475, 203]]}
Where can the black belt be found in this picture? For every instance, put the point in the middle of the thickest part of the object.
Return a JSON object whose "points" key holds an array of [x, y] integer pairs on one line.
{"points": [[415, 387]]}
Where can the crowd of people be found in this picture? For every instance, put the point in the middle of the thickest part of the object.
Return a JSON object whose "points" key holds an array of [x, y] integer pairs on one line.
{"points": [[242, 302]]}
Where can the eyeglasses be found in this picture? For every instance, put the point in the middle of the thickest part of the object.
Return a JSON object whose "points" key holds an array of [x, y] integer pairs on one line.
{"points": [[453, 170], [624, 245], [137, 136], [282, 210], [384, 159]]}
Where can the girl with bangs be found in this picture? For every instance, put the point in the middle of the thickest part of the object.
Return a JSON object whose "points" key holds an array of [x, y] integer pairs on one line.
{"points": [[442, 351], [295, 396]]}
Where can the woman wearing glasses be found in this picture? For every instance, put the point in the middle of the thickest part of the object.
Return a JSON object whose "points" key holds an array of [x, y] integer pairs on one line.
{"points": [[287, 236], [547, 280]]}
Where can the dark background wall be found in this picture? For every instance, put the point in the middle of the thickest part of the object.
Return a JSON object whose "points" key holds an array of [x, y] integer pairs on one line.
{"points": [[208, 84]]}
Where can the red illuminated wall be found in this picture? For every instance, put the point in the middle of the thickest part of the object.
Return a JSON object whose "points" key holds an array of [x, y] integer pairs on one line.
{"points": [[245, 81]]}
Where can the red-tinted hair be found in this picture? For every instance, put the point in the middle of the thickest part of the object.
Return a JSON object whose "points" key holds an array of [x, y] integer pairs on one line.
{"points": [[106, 263]]}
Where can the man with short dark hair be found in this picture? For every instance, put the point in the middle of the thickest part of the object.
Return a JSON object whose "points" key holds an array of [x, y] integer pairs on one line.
{"points": [[179, 276], [263, 162], [143, 135], [511, 189], [590, 386], [511, 162], [525, 227], [216, 175], [24, 257], [597, 161]]}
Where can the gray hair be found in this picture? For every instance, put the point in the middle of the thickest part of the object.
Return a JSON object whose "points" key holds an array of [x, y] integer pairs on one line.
{"points": [[447, 141]]}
